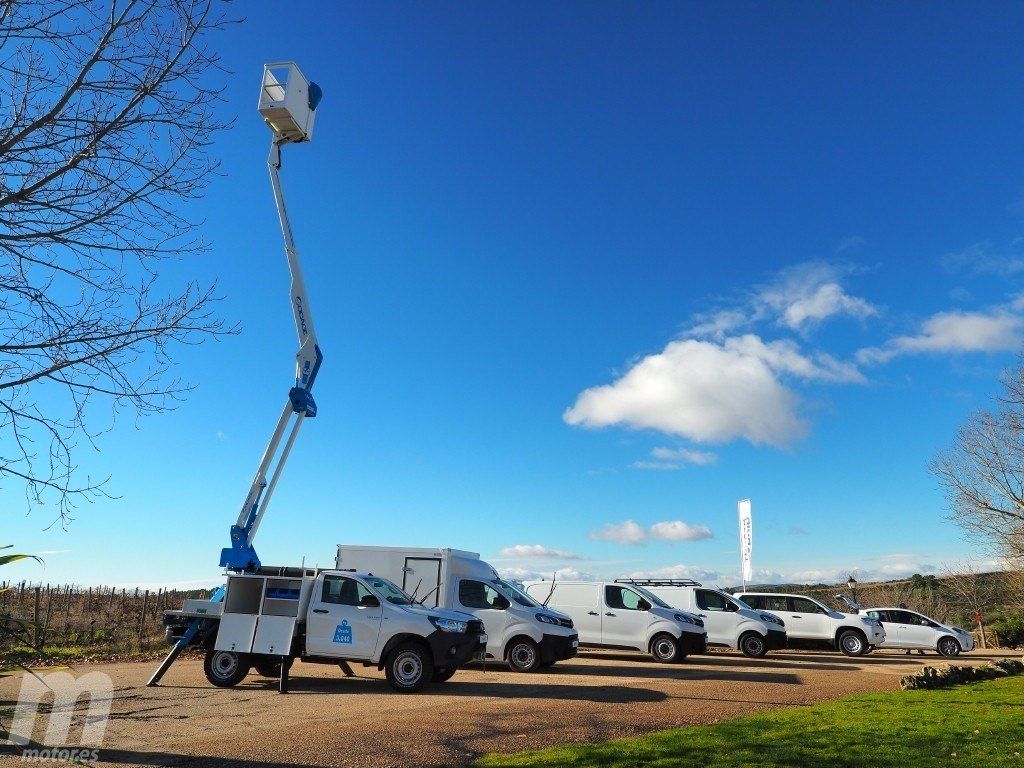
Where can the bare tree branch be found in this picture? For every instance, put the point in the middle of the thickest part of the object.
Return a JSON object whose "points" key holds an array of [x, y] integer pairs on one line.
{"points": [[107, 109]]}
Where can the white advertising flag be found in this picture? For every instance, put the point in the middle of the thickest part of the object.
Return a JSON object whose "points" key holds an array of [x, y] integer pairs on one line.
{"points": [[746, 540]]}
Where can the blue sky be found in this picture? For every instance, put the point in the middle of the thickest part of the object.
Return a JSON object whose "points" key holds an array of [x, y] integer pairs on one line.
{"points": [[586, 275]]}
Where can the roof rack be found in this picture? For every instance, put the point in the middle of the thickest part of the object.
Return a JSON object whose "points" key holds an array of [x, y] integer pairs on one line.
{"points": [[660, 582]]}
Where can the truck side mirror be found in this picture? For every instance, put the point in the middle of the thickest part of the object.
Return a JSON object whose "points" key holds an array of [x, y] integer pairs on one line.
{"points": [[369, 601]]}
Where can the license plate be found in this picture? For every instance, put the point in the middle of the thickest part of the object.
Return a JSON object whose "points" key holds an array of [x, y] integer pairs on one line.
{"points": [[575, 643], [483, 639]]}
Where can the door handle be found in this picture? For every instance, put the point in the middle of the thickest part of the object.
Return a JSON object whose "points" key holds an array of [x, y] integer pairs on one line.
{"points": [[592, 613], [797, 617], [319, 610], [609, 613]]}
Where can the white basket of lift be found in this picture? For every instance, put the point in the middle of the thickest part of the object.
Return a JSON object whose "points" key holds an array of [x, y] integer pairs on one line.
{"points": [[288, 101]]}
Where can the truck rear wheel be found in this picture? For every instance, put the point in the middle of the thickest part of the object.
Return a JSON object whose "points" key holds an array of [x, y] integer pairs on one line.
{"points": [[753, 645], [409, 667], [226, 669]]}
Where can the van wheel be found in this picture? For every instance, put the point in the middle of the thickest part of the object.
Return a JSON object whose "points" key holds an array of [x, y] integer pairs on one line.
{"points": [[444, 674], [409, 667], [523, 655], [753, 645], [665, 648], [948, 646], [226, 669], [853, 643]]}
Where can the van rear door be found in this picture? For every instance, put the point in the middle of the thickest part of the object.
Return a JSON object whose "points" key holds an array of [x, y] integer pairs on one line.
{"points": [[422, 575]]}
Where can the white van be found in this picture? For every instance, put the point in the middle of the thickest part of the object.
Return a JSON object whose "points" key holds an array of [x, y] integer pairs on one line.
{"points": [[612, 615], [728, 621], [519, 630]]}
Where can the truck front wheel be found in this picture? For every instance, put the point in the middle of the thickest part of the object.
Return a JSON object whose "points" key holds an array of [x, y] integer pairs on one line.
{"points": [[853, 643], [226, 669], [409, 667], [666, 649]]}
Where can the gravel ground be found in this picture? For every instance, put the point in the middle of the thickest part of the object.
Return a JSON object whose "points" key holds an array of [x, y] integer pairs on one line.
{"points": [[330, 721]]}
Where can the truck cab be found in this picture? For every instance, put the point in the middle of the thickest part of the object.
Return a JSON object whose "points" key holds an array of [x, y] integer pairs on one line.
{"points": [[334, 617], [520, 630]]}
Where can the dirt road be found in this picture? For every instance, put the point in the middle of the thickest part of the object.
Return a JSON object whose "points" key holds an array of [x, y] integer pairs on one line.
{"points": [[331, 721]]}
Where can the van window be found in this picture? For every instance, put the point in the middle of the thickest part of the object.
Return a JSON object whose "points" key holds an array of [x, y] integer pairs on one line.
{"points": [[622, 598], [803, 605], [709, 600], [340, 590], [754, 601], [476, 594]]}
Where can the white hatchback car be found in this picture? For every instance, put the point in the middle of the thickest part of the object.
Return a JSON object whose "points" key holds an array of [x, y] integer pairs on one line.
{"points": [[909, 629]]}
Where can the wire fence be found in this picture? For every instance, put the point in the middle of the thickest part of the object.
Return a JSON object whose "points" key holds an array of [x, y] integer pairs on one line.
{"points": [[66, 615]]}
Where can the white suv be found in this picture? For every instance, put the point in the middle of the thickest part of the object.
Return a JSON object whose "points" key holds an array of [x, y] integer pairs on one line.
{"points": [[810, 622], [728, 621], [610, 615], [909, 629]]}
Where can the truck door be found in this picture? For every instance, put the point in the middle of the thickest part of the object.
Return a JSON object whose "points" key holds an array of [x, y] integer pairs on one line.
{"points": [[344, 619], [422, 575], [807, 620]]}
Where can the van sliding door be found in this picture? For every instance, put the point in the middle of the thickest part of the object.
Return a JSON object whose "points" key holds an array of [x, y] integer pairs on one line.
{"points": [[422, 575]]}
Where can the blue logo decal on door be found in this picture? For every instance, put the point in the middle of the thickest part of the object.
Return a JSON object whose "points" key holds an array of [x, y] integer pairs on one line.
{"points": [[343, 632]]}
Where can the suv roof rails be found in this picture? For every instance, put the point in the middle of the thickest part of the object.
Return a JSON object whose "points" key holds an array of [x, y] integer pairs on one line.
{"points": [[660, 582]]}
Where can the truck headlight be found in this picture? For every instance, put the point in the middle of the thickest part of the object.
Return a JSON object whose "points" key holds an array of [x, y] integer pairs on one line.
{"points": [[767, 617], [687, 620], [448, 625], [543, 618]]}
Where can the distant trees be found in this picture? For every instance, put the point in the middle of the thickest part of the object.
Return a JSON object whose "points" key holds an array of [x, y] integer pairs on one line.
{"points": [[107, 108], [982, 472]]}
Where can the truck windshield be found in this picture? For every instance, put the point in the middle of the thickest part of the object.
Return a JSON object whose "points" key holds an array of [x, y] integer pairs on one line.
{"points": [[518, 595], [389, 591]]}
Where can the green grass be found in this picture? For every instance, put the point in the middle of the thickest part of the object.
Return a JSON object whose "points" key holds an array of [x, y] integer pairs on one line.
{"points": [[982, 723]]}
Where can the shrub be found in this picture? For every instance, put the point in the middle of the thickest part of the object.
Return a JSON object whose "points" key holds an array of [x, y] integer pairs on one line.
{"points": [[1010, 630]]}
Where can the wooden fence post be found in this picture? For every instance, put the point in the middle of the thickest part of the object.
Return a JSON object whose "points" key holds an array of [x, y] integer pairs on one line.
{"points": [[142, 619], [35, 617]]}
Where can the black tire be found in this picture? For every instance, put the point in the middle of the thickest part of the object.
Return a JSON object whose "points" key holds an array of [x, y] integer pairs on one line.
{"points": [[523, 655], [666, 649], [226, 669], [444, 674], [268, 668], [949, 647], [753, 645], [409, 667], [852, 643]]}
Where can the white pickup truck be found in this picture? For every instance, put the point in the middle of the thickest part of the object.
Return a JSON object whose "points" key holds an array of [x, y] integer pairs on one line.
{"points": [[270, 618], [809, 622]]}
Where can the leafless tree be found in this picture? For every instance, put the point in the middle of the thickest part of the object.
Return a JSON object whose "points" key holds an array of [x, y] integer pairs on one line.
{"points": [[983, 472], [972, 592], [107, 110]]}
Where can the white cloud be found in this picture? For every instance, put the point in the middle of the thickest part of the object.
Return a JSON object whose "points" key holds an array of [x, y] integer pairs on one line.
{"points": [[996, 330], [985, 258], [530, 574], [711, 392], [677, 530], [630, 532], [537, 552], [798, 298], [621, 533], [675, 458]]}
